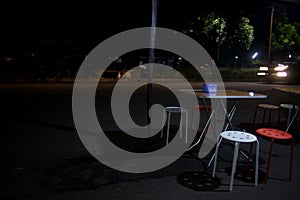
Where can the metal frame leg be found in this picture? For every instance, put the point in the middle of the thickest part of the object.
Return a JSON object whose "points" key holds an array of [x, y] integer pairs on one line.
{"points": [[291, 159], [168, 127], [229, 117], [162, 129], [234, 162], [269, 160], [256, 163], [216, 156], [293, 118], [186, 126], [203, 132]]}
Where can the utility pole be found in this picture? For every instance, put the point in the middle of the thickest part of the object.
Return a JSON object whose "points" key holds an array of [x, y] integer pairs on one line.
{"points": [[270, 36]]}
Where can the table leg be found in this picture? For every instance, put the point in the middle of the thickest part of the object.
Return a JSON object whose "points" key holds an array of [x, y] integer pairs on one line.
{"points": [[292, 120], [203, 131], [230, 115], [210, 115]]}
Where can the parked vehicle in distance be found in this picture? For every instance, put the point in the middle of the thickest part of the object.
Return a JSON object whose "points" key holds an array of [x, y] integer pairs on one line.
{"points": [[280, 72]]}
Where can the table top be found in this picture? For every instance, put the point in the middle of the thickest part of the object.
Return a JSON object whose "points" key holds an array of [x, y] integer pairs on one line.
{"points": [[228, 94], [295, 89]]}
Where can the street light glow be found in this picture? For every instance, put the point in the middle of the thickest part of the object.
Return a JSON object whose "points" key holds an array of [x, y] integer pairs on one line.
{"points": [[254, 55]]}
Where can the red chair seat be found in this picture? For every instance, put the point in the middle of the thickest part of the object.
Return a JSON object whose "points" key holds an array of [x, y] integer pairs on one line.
{"points": [[274, 133]]}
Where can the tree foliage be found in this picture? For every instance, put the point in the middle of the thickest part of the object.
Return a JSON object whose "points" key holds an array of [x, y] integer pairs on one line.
{"points": [[222, 30], [243, 34], [285, 38], [215, 28]]}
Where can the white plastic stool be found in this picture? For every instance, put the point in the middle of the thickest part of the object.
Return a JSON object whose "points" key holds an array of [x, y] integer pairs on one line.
{"points": [[290, 107], [175, 109], [237, 137]]}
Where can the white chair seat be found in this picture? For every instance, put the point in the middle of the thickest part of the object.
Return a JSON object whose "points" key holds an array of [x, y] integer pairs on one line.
{"points": [[175, 109], [238, 136], [288, 106]]}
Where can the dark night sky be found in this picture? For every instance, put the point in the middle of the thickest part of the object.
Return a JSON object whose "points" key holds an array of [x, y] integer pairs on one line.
{"points": [[24, 23]]}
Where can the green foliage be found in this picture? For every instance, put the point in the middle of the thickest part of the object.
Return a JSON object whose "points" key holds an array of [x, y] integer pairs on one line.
{"points": [[222, 30], [215, 28], [285, 38], [244, 34]]}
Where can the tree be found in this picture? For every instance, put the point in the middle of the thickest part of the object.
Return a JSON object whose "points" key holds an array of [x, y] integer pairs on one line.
{"points": [[215, 29], [235, 33], [243, 34], [207, 30], [285, 38]]}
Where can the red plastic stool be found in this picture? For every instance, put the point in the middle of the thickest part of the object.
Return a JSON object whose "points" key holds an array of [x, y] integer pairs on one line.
{"points": [[266, 107], [275, 134]]}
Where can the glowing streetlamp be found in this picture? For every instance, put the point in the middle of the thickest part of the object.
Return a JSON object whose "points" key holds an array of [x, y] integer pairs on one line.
{"points": [[254, 55]]}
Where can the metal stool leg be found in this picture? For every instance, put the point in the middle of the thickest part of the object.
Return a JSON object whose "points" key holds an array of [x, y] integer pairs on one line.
{"points": [[168, 127], [186, 126], [249, 157], [256, 163], [263, 122], [180, 125], [269, 160], [162, 129], [255, 112], [289, 117], [192, 120], [234, 162], [291, 159], [216, 157]]}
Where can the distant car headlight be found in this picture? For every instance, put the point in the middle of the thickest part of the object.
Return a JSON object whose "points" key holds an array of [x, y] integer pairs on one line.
{"points": [[281, 67], [262, 73], [263, 68], [281, 74]]}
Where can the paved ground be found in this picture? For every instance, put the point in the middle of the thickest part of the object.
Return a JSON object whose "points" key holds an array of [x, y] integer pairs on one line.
{"points": [[43, 157]]}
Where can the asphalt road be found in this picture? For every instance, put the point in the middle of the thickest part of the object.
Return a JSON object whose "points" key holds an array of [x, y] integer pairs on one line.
{"points": [[43, 157]]}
